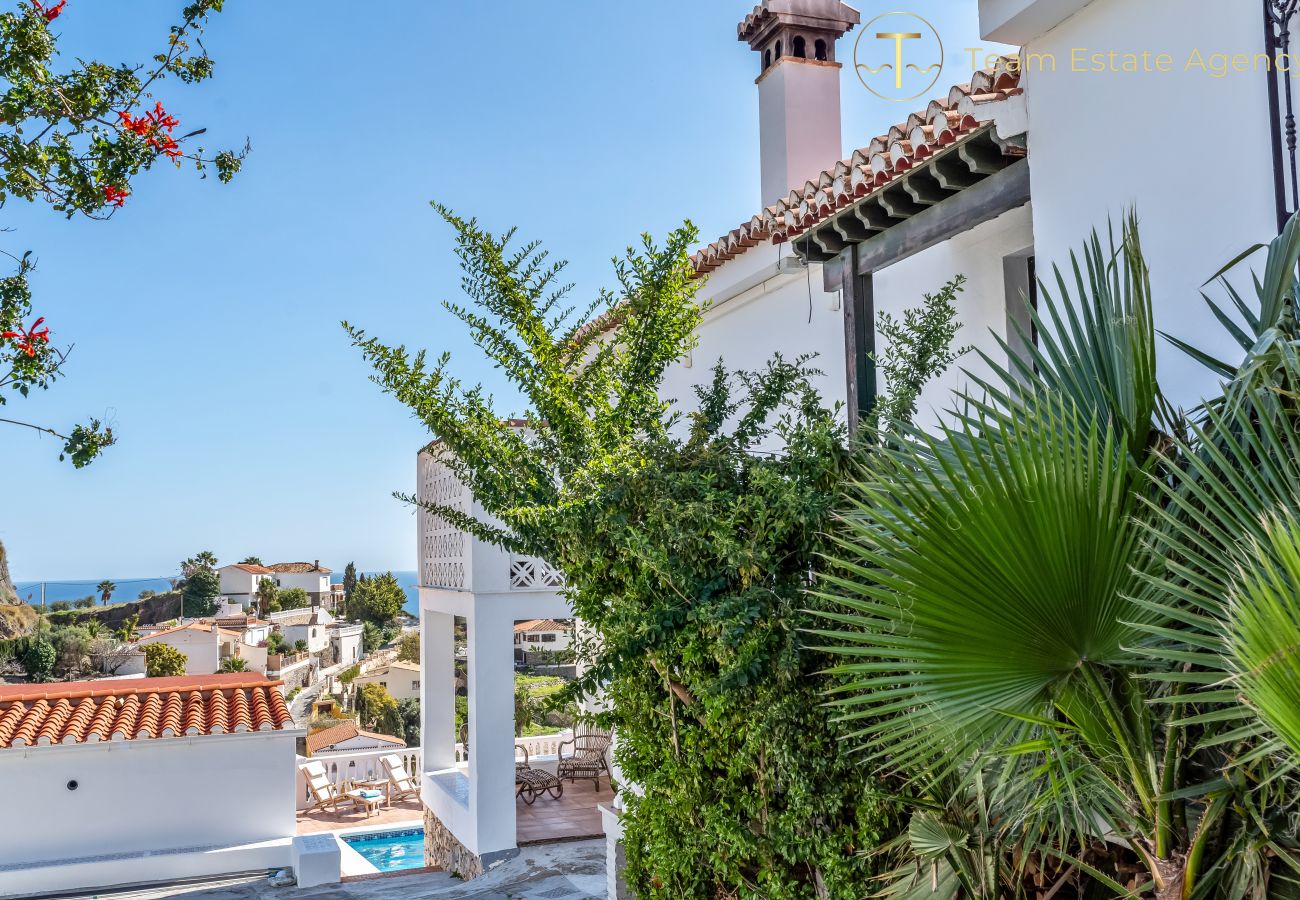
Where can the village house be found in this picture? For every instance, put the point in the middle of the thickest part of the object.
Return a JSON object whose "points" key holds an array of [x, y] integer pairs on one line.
{"points": [[537, 640], [110, 782], [346, 737], [400, 679], [204, 644], [997, 178], [345, 642], [312, 577], [239, 583], [309, 625]]}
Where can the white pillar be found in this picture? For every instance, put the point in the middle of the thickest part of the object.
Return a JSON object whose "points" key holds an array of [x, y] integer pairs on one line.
{"points": [[437, 690], [492, 723]]}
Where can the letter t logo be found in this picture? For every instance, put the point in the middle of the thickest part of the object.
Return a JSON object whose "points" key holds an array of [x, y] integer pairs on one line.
{"points": [[898, 37]]}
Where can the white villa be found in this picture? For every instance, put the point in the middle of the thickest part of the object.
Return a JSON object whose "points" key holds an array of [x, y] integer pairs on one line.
{"points": [[239, 583], [312, 577], [537, 637], [996, 175], [400, 679], [205, 645], [308, 624]]}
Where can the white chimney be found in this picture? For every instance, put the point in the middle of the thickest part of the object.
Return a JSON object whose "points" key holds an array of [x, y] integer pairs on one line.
{"points": [[798, 88]]}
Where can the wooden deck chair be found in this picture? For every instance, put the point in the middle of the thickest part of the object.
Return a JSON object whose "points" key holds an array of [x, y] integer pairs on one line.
{"points": [[327, 795], [400, 783]]}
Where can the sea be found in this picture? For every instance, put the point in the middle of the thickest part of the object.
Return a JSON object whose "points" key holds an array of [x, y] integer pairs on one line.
{"points": [[130, 588]]}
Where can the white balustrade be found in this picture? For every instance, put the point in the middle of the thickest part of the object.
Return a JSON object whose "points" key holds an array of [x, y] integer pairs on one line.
{"points": [[354, 765], [539, 746]]}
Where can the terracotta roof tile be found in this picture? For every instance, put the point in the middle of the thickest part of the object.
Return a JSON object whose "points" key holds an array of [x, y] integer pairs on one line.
{"points": [[541, 625], [884, 159], [139, 709], [250, 568], [345, 731], [299, 568]]}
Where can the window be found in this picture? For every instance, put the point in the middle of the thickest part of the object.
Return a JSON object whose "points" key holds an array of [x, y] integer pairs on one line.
{"points": [[767, 60], [548, 639], [415, 684], [1021, 287], [819, 50], [778, 50], [799, 47]]}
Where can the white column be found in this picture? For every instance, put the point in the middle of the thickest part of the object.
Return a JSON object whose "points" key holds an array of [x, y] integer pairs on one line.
{"points": [[437, 690], [492, 723]]}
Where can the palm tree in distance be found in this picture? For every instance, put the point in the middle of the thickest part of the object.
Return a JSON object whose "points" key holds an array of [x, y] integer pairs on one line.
{"points": [[106, 589]]}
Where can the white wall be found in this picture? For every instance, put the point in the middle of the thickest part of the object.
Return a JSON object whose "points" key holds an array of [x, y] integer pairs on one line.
{"points": [[349, 644], [201, 649], [311, 582], [316, 636], [1100, 143], [400, 682], [534, 642], [141, 795], [236, 581], [981, 307], [746, 330], [799, 124]]}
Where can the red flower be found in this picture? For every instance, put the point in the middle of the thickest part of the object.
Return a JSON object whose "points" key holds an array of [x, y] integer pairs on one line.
{"points": [[150, 127], [53, 12], [114, 196], [28, 340]]}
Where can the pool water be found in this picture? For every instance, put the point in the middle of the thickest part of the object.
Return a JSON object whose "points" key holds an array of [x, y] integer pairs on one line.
{"points": [[390, 851]]}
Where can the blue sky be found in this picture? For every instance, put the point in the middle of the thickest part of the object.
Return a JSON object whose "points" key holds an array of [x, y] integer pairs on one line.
{"points": [[205, 317]]}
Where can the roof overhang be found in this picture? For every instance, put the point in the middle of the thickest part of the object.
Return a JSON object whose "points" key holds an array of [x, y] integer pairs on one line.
{"points": [[930, 183]]}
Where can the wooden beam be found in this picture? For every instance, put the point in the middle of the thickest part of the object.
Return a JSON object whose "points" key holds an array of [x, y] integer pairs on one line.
{"points": [[859, 339], [995, 195]]}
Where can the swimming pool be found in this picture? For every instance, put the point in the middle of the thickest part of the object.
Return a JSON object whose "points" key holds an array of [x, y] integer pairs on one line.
{"points": [[390, 851]]}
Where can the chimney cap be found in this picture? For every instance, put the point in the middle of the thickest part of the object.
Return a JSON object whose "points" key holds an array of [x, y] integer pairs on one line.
{"points": [[817, 15]]}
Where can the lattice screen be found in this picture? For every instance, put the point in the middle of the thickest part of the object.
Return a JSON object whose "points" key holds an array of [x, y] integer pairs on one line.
{"points": [[529, 572], [445, 548]]}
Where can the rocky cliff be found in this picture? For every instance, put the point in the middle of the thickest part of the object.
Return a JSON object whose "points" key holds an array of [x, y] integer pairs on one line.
{"points": [[7, 592]]}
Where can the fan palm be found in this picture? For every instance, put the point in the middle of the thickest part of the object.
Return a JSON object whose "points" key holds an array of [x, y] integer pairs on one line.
{"points": [[106, 589], [1007, 610]]}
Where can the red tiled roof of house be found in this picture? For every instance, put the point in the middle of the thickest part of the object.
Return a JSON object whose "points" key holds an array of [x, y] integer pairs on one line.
{"points": [[204, 627], [345, 731], [85, 712], [541, 625], [944, 123], [251, 569], [298, 568], [940, 125]]}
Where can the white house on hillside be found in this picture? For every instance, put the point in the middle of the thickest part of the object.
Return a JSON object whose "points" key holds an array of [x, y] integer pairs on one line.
{"points": [[110, 783], [200, 642], [312, 577], [400, 679], [307, 624], [996, 175], [536, 637], [240, 581], [346, 737]]}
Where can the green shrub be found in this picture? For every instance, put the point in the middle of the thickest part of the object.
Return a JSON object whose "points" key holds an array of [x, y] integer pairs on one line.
{"points": [[161, 661]]}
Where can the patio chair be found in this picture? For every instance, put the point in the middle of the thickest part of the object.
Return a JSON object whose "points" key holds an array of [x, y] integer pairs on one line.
{"points": [[327, 795], [400, 783], [532, 783], [587, 759]]}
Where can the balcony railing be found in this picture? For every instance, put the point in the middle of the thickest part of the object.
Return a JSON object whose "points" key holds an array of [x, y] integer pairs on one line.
{"points": [[538, 746], [353, 765]]}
